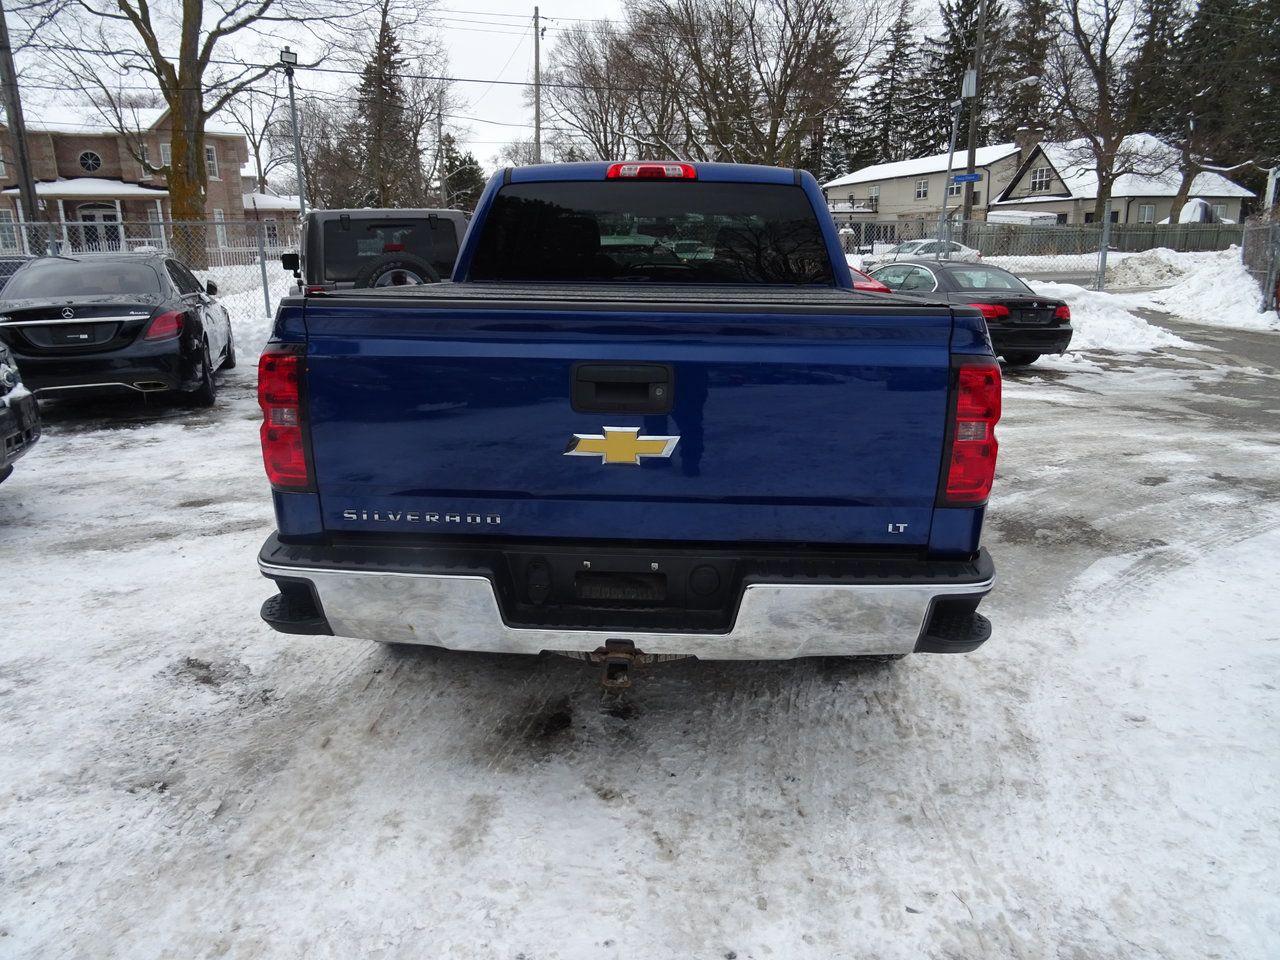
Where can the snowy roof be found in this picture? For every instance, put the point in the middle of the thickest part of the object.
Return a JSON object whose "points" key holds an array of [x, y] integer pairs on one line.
{"points": [[1074, 165], [912, 168], [91, 121], [93, 187], [269, 201]]}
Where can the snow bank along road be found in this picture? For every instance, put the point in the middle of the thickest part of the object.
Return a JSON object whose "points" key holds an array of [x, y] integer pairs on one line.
{"points": [[1098, 781]]}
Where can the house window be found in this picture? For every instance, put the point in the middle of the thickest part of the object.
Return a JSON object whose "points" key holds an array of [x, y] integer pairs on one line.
{"points": [[955, 189], [8, 232], [90, 162], [1062, 219], [218, 218], [1146, 213], [1041, 179], [873, 192], [922, 189], [4, 171], [211, 161], [1219, 210], [166, 155], [273, 237]]}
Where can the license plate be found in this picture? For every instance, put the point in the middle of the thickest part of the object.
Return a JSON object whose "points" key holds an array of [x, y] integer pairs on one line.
{"points": [[1031, 317], [73, 334]]}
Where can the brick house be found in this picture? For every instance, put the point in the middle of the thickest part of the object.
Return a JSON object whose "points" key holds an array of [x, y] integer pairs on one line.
{"points": [[87, 180], [278, 213]]}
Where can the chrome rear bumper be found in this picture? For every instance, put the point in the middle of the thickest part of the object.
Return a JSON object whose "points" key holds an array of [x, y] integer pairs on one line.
{"points": [[774, 621]]}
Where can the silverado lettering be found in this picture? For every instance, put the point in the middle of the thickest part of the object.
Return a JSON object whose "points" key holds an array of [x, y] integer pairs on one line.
{"points": [[413, 516]]}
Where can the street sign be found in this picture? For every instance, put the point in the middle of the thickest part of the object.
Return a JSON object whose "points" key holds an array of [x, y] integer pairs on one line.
{"points": [[966, 178]]}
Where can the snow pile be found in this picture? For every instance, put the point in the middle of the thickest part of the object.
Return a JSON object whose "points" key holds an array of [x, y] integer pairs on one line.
{"points": [[1159, 267], [240, 291], [1219, 291], [15, 393], [1101, 323]]}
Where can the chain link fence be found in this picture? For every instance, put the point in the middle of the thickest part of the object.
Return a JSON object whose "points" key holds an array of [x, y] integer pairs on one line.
{"points": [[241, 256], [1087, 254], [1260, 251]]}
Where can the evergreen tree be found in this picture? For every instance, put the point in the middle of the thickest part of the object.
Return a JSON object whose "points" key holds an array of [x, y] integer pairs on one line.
{"points": [[894, 107], [878, 124], [1157, 84], [1214, 93], [463, 177], [1020, 104], [391, 171], [945, 59]]}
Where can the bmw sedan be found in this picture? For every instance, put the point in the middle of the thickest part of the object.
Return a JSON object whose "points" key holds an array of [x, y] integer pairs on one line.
{"points": [[115, 324], [1023, 324]]}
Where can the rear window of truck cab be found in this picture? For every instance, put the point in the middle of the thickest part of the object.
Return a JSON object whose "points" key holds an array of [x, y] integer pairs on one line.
{"points": [[666, 232], [352, 245]]}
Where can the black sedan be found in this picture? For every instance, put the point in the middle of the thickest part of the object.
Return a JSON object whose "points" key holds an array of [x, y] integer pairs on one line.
{"points": [[104, 324], [9, 266], [1023, 323]]}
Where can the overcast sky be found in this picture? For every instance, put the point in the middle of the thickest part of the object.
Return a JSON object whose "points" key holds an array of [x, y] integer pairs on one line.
{"points": [[495, 42], [491, 42]]}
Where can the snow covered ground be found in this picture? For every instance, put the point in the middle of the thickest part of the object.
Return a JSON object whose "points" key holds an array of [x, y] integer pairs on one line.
{"points": [[1098, 781]]}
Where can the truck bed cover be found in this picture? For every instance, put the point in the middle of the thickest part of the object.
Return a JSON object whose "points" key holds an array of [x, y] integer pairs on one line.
{"points": [[598, 296]]}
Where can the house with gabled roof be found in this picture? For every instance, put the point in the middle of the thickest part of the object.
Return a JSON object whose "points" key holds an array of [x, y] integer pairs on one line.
{"points": [[87, 180], [915, 189], [1060, 178]]}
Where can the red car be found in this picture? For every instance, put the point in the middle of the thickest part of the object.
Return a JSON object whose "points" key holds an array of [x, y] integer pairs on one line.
{"points": [[867, 284]]}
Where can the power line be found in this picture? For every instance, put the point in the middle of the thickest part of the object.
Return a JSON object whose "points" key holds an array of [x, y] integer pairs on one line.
{"points": [[347, 71]]}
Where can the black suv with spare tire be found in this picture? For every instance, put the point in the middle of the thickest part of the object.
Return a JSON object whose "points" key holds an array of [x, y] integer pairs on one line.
{"points": [[375, 248]]}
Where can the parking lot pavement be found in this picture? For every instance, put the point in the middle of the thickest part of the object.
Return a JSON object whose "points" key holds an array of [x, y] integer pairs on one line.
{"points": [[1098, 781]]}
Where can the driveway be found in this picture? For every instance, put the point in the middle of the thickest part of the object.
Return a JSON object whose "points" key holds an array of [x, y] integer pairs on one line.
{"points": [[1098, 781]]}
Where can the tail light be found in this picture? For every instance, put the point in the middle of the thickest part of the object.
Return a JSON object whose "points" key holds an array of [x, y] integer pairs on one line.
{"points": [[971, 468], [283, 442], [1062, 313], [992, 311], [651, 171], [164, 326]]}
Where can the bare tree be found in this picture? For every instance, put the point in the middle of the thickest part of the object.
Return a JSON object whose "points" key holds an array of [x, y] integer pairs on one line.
{"points": [[742, 80], [260, 112], [1088, 70], [195, 55], [585, 96]]}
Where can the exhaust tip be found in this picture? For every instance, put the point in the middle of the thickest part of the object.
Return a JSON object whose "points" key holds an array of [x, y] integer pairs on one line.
{"points": [[149, 386]]}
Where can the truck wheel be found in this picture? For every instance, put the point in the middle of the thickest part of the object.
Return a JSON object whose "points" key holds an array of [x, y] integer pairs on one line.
{"points": [[4, 474], [397, 269], [1020, 358]]}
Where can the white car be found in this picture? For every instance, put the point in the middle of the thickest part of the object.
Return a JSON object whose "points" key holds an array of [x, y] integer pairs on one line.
{"points": [[947, 249]]}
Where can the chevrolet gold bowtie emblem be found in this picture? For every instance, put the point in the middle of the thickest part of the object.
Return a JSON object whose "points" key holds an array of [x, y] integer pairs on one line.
{"points": [[620, 445]]}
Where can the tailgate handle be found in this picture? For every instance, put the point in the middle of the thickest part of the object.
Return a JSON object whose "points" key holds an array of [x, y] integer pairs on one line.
{"points": [[622, 387]]}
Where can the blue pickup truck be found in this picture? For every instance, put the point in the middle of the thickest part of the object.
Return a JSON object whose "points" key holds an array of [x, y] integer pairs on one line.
{"points": [[649, 416]]}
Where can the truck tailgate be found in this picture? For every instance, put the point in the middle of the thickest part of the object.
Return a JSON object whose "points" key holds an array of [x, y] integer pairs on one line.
{"points": [[811, 415]]}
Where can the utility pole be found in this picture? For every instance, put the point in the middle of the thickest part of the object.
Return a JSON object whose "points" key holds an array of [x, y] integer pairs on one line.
{"points": [[18, 130], [290, 60], [975, 109], [944, 232], [537, 88], [443, 173]]}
